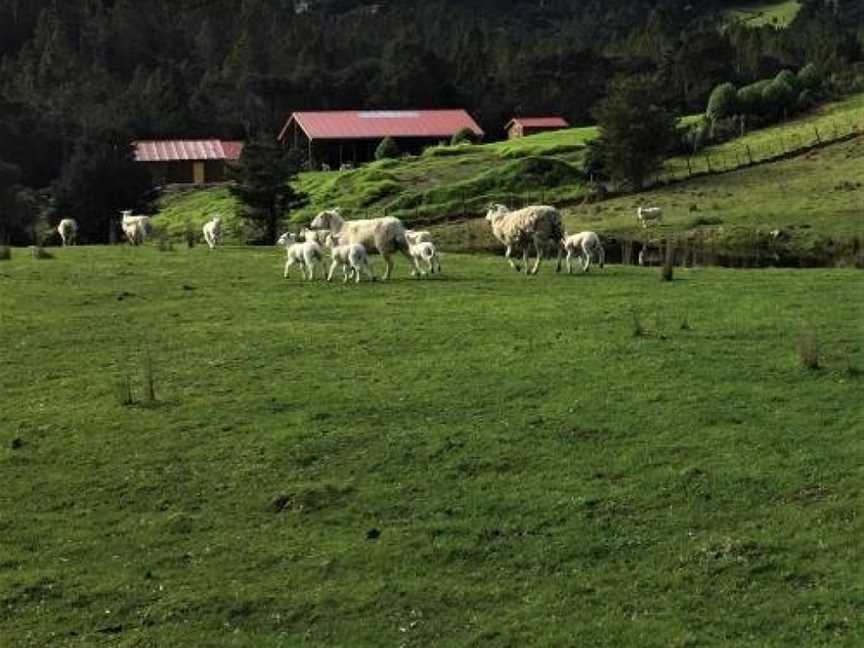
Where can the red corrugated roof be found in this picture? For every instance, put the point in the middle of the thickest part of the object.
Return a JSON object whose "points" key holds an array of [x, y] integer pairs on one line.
{"points": [[181, 150], [376, 124], [539, 122]]}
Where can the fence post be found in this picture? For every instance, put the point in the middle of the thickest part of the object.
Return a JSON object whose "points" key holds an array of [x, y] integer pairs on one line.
{"points": [[749, 153], [689, 168], [708, 160], [818, 136]]}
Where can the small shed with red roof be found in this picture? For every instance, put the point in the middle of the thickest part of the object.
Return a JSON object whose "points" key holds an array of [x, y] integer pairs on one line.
{"points": [[336, 137], [522, 126], [187, 161]]}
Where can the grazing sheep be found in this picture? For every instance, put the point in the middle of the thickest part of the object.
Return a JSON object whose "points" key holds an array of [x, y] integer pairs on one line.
{"points": [[649, 215], [346, 166], [539, 225], [308, 254], [68, 230], [325, 166], [425, 252], [213, 232], [386, 235], [585, 245], [352, 257], [418, 236], [136, 228]]}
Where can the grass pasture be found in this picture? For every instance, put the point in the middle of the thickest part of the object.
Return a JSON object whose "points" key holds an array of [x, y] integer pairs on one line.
{"points": [[478, 459], [759, 13]]}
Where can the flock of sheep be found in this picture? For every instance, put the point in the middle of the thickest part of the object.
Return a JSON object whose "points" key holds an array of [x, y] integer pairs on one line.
{"points": [[536, 228]]}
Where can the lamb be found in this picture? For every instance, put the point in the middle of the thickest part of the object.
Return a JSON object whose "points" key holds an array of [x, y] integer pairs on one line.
{"points": [[538, 225], [649, 215], [386, 235], [352, 257], [213, 232], [418, 236], [308, 254], [136, 228], [68, 230], [585, 245], [425, 252]]}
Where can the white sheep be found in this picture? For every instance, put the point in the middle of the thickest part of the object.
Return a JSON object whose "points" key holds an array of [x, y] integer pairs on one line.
{"points": [[352, 257], [346, 166], [307, 254], [68, 230], [386, 235], [585, 245], [425, 252], [325, 167], [647, 215], [319, 236], [651, 253], [539, 225], [136, 228], [213, 232], [418, 236]]}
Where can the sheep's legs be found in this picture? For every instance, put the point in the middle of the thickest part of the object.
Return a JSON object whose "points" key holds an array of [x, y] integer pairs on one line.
{"points": [[507, 256], [539, 252], [586, 253], [388, 266], [602, 254], [525, 260], [332, 270], [569, 265]]}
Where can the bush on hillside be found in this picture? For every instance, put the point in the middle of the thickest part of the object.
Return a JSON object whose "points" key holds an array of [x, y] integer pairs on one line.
{"points": [[779, 98], [723, 102], [387, 149], [810, 77]]}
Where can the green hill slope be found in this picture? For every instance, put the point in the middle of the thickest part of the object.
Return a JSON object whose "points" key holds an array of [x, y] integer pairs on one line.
{"points": [[455, 183], [757, 13]]}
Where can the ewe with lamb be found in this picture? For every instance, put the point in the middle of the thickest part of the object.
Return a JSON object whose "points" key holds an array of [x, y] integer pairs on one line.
{"points": [[386, 235], [538, 226]]}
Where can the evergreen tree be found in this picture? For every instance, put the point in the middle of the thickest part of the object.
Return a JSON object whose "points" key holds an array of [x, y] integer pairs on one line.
{"points": [[264, 176], [636, 132]]}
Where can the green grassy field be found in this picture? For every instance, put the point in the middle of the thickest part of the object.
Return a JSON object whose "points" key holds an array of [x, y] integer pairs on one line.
{"points": [[478, 459], [758, 13]]}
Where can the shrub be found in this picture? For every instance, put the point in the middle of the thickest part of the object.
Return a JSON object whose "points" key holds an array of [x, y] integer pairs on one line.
{"points": [[790, 78], [387, 149], [5, 252], [810, 77], [807, 100], [723, 102], [779, 97], [39, 252], [464, 136], [750, 99]]}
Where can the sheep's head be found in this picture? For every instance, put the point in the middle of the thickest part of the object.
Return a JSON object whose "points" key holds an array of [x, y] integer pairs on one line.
{"points": [[495, 211], [327, 219], [286, 239], [126, 213]]}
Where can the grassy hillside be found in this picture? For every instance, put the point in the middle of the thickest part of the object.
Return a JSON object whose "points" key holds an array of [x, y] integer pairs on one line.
{"points": [[456, 183], [481, 459], [757, 13]]}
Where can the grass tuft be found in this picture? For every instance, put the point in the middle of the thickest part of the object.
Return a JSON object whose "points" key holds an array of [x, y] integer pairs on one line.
{"points": [[638, 328], [38, 252], [809, 352]]}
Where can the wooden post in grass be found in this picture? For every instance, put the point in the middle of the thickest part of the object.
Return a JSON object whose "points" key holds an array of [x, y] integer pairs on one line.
{"points": [[708, 161], [749, 153], [689, 168]]}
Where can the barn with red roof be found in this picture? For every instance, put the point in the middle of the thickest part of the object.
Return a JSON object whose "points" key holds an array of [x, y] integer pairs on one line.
{"points": [[187, 161], [338, 137], [522, 126]]}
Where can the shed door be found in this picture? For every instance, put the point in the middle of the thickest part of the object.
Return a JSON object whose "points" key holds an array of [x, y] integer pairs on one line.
{"points": [[198, 172]]}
